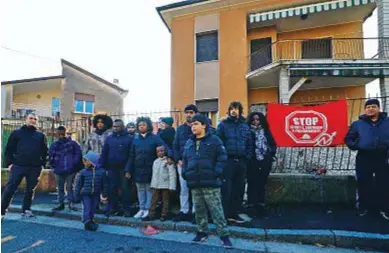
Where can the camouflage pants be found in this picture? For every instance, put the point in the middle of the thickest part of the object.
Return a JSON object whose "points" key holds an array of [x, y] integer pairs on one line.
{"points": [[209, 199]]}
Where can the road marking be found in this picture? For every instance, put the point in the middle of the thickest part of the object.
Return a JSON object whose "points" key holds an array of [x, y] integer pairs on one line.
{"points": [[7, 238], [35, 244]]}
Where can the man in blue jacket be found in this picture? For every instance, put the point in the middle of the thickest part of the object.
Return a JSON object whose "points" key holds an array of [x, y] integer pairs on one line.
{"points": [[183, 133], [25, 154], [114, 157], [236, 137], [65, 159], [203, 161], [370, 137]]}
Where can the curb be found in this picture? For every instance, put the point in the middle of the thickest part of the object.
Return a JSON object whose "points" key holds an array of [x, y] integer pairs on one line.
{"points": [[338, 238]]}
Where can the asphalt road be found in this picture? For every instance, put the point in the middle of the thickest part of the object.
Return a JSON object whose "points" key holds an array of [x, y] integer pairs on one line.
{"points": [[55, 235]]}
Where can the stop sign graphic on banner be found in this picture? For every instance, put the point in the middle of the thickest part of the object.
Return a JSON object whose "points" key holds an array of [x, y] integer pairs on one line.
{"points": [[306, 127]]}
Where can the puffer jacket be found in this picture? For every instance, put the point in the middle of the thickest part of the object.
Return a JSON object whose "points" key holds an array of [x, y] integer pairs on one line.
{"points": [[65, 156], [116, 151], [167, 135], [183, 133], [26, 147], [164, 175], [91, 181], [203, 165], [236, 137], [142, 155], [365, 135], [95, 142]]}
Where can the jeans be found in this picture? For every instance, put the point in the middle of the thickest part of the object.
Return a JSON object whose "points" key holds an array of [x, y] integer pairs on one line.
{"points": [[184, 194], [366, 166], [16, 175], [234, 176], [89, 203], [257, 175], [144, 195], [61, 180], [119, 190]]}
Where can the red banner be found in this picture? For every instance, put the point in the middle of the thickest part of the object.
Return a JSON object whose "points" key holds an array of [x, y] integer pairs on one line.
{"points": [[308, 126]]}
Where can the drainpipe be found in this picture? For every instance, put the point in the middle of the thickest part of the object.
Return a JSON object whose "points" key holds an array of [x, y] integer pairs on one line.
{"points": [[383, 46]]}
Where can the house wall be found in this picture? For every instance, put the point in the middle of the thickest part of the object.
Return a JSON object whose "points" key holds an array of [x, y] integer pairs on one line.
{"points": [[40, 100], [107, 99]]}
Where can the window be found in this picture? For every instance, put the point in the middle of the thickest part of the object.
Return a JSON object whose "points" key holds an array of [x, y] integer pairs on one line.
{"points": [[84, 103], [55, 106], [317, 49], [207, 48]]}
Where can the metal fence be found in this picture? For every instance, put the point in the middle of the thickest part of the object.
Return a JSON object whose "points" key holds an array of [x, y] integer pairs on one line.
{"points": [[327, 48], [336, 160]]}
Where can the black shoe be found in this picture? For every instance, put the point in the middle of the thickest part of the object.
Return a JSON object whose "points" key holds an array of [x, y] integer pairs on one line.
{"points": [[60, 207], [200, 237], [181, 217], [94, 226], [237, 219], [226, 241], [127, 214], [362, 213], [193, 218], [71, 207], [148, 218], [163, 218], [88, 225], [385, 215], [113, 213]]}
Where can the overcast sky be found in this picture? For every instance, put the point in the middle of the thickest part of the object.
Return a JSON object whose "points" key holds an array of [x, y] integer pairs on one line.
{"points": [[123, 39]]}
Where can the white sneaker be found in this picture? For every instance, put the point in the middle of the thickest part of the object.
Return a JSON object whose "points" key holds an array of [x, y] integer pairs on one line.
{"points": [[139, 214], [28, 214], [245, 217], [145, 214]]}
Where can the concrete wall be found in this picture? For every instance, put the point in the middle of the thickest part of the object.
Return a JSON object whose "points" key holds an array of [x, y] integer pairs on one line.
{"points": [[107, 99]]}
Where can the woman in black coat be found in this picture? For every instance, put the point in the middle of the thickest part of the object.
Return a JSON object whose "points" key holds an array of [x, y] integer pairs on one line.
{"points": [[260, 165]]}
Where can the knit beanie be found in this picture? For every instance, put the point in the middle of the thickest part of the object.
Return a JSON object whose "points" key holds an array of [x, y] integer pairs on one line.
{"points": [[168, 121]]}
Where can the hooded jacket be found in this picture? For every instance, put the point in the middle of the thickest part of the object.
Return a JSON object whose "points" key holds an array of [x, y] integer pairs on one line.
{"points": [[236, 137], [167, 135], [365, 135], [203, 162], [116, 151], [26, 147], [142, 155], [164, 176], [95, 141], [65, 156]]}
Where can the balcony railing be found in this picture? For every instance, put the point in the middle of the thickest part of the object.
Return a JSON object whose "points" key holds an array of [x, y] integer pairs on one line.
{"points": [[21, 110], [328, 48]]}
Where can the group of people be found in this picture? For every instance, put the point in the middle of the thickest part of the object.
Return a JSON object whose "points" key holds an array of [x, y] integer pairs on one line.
{"points": [[211, 166]]}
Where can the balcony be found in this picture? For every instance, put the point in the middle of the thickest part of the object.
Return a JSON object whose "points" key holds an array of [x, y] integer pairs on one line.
{"points": [[325, 50]]}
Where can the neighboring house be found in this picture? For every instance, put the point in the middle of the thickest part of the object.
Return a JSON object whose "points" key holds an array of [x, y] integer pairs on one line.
{"points": [[273, 51], [75, 94]]}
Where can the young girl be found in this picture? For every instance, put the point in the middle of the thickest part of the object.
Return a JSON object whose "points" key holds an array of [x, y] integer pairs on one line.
{"points": [[140, 164], [90, 182], [163, 181], [259, 166]]}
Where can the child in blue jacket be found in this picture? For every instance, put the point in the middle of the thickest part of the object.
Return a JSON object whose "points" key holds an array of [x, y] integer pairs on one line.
{"points": [[90, 183]]}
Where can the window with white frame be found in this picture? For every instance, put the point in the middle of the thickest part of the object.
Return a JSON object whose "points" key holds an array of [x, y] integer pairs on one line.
{"points": [[84, 103]]}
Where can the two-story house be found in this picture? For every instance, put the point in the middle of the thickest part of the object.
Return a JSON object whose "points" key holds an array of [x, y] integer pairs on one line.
{"points": [[74, 94], [288, 51]]}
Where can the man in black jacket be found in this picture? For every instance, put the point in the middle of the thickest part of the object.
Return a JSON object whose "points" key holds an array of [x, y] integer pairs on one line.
{"points": [[25, 154], [236, 137]]}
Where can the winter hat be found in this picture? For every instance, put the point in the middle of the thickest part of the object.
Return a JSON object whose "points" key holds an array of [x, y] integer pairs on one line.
{"points": [[201, 118], [168, 121], [131, 124], [372, 101], [92, 157], [191, 107]]}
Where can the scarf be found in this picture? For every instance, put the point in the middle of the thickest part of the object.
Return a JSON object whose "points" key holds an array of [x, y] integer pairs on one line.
{"points": [[261, 146]]}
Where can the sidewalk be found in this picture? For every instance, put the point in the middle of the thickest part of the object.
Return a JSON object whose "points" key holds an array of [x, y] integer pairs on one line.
{"points": [[306, 224]]}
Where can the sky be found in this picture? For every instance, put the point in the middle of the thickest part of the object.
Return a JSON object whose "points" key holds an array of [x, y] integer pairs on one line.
{"points": [[121, 39]]}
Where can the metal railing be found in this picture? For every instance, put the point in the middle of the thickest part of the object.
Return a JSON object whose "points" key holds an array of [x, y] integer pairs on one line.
{"points": [[328, 48], [336, 160]]}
